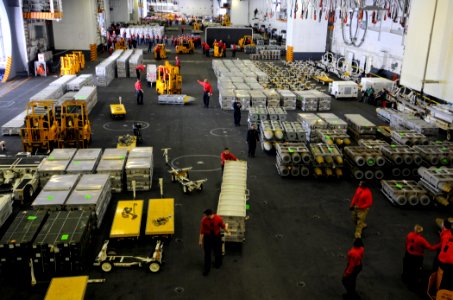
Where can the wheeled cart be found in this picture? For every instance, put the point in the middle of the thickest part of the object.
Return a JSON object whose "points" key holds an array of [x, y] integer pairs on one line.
{"points": [[126, 224], [67, 288]]}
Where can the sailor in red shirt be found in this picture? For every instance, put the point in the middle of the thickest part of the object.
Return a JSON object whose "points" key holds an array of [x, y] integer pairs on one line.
{"points": [[139, 68], [353, 268], [445, 272], [226, 155], [413, 259], [207, 91], [360, 204], [210, 239], [139, 91], [206, 49], [178, 63]]}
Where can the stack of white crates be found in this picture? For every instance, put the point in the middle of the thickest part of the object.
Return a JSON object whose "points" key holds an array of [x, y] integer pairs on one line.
{"points": [[63, 81], [122, 64], [55, 192], [84, 161], [244, 97], [324, 100], [48, 93], [112, 162], [105, 71], [311, 122], [288, 99], [139, 169], [77, 83], [307, 101], [273, 98], [135, 60], [226, 99], [89, 94], [92, 193], [55, 164], [258, 99], [233, 198]]}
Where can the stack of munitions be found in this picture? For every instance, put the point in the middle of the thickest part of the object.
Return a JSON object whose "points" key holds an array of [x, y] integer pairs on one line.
{"points": [[436, 155], [112, 162], [122, 64], [84, 161], [402, 120], [273, 98], [55, 164], [270, 133], [359, 127], [364, 162], [257, 98], [89, 94], [324, 100], [257, 114], [408, 137], [226, 98], [6, 207], [439, 182], [405, 192], [233, 198], [48, 93], [327, 160], [244, 97], [105, 71], [16, 244], [135, 60], [441, 115], [139, 169], [403, 160], [56, 191], [334, 136], [288, 99], [92, 193], [13, 126], [311, 122], [385, 114], [294, 132], [77, 83], [277, 113], [63, 244], [373, 144], [293, 159]]}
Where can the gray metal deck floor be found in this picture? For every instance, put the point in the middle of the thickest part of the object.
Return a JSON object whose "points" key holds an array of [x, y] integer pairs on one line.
{"points": [[299, 230]]}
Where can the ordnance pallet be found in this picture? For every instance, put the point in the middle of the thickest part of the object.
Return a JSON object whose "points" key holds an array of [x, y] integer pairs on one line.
{"points": [[360, 125], [334, 136], [277, 113], [294, 132], [408, 137], [399, 155], [326, 156], [257, 114], [441, 155], [365, 172], [360, 136], [362, 156], [405, 193], [372, 144], [333, 121]]}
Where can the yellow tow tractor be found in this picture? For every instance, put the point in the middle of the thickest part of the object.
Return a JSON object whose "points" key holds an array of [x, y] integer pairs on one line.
{"points": [[169, 81], [184, 46], [160, 52], [118, 111], [246, 40]]}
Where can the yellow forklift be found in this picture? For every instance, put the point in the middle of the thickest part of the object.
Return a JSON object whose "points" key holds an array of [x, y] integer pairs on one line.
{"points": [[160, 52], [184, 46], [75, 128], [246, 40], [41, 128], [169, 81]]}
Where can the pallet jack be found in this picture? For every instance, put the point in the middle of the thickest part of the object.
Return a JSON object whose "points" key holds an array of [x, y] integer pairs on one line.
{"points": [[127, 224], [182, 176]]}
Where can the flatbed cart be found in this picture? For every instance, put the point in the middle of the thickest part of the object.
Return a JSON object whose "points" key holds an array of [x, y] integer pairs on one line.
{"points": [[127, 223], [70, 288], [182, 176]]}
